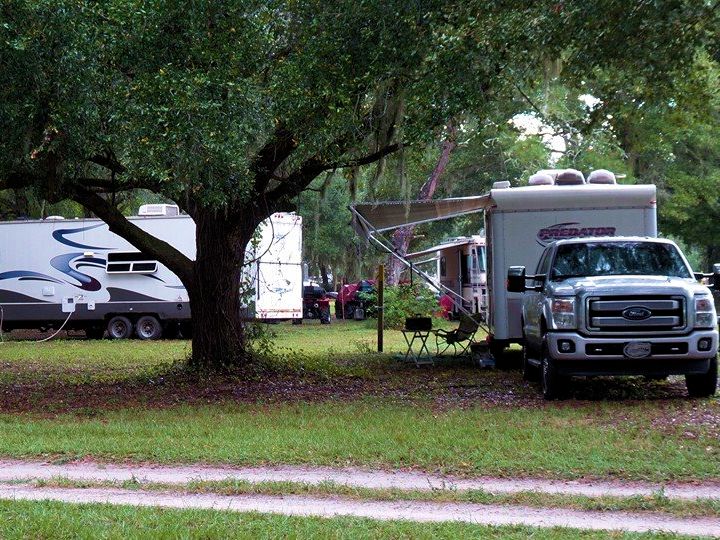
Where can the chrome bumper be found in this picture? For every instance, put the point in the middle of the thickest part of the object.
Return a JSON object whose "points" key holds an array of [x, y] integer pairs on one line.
{"points": [[584, 344]]}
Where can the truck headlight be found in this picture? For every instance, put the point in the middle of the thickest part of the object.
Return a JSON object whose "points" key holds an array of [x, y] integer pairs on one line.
{"points": [[563, 313], [705, 316]]}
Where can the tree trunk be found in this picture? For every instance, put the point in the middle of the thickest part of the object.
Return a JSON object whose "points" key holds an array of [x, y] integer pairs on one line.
{"points": [[219, 341], [324, 276], [401, 238], [711, 256]]}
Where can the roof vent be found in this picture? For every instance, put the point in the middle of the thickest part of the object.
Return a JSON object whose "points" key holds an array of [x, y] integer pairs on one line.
{"points": [[159, 210], [570, 177], [541, 179], [54, 218], [504, 184], [602, 176]]}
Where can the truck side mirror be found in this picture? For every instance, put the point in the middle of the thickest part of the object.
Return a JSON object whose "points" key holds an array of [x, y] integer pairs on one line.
{"points": [[716, 277], [516, 279]]}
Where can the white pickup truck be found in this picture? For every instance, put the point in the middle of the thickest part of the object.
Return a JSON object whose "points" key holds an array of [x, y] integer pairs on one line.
{"points": [[616, 306]]}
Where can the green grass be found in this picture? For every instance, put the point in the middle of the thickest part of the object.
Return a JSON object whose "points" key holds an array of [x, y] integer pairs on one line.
{"points": [[79, 360], [559, 442], [40, 520], [454, 419], [342, 348]]}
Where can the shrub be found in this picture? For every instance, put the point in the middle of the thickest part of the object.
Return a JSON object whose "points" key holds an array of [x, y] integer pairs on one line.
{"points": [[404, 301]]}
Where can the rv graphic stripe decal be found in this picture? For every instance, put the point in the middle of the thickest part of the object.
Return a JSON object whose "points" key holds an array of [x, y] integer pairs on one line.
{"points": [[124, 295], [12, 297], [59, 235], [28, 274], [62, 263]]}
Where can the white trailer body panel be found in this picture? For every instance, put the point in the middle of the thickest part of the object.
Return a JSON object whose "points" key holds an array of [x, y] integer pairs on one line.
{"points": [[522, 221], [52, 267], [279, 270]]}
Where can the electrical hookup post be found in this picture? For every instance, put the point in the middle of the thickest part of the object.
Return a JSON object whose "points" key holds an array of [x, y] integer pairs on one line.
{"points": [[380, 305]]}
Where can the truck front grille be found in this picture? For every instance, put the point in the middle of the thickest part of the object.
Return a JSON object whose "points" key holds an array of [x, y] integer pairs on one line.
{"points": [[635, 314]]}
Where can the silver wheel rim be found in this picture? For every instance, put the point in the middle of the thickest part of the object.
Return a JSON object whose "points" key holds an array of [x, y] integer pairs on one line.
{"points": [[119, 329], [147, 329]]}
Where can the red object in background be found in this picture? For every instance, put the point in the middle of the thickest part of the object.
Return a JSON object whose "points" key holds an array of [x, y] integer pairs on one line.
{"points": [[348, 293], [446, 305]]}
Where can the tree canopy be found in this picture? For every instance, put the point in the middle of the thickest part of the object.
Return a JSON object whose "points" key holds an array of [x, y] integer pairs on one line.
{"points": [[232, 108]]}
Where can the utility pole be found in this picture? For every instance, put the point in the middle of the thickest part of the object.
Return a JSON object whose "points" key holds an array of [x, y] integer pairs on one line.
{"points": [[380, 306]]}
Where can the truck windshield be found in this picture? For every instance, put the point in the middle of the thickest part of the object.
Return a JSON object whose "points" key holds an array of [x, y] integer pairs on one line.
{"points": [[618, 258]]}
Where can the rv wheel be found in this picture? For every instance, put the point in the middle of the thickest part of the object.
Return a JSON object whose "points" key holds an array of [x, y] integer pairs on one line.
{"points": [[119, 327], [148, 327]]}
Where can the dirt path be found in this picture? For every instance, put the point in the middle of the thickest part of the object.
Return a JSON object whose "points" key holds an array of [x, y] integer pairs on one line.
{"points": [[406, 510], [12, 470]]}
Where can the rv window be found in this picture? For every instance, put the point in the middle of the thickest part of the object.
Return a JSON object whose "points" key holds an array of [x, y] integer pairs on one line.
{"points": [[134, 262], [481, 259], [118, 267], [144, 267], [443, 267]]}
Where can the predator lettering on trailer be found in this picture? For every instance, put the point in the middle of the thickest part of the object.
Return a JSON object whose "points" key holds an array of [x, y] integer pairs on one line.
{"points": [[561, 231]]}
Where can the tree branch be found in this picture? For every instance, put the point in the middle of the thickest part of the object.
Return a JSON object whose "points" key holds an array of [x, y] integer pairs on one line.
{"points": [[175, 260], [271, 156], [108, 162], [299, 180], [371, 158]]}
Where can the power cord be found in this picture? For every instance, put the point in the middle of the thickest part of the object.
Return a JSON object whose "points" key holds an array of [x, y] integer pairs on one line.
{"points": [[2, 335], [57, 331]]}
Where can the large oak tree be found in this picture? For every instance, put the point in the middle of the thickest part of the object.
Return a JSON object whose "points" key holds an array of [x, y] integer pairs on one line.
{"points": [[232, 108]]}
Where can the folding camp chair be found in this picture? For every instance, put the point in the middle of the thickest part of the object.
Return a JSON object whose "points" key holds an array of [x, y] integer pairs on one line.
{"points": [[459, 339]]}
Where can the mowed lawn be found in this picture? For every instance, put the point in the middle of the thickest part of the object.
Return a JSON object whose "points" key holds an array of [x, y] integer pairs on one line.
{"points": [[329, 399], [21, 519]]}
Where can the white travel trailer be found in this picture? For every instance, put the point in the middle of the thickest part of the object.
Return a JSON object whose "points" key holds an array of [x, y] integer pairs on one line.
{"points": [[76, 273], [459, 270], [520, 222]]}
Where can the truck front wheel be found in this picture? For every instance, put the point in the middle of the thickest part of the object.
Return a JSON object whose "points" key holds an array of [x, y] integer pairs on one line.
{"points": [[703, 384], [529, 372], [553, 384]]}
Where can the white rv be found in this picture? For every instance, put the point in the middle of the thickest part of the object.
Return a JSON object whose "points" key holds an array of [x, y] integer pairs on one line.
{"points": [[519, 223], [77, 273], [459, 270]]}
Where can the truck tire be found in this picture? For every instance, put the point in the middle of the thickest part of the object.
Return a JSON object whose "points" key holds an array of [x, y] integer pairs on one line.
{"points": [[703, 384], [552, 384], [119, 327], [148, 327], [529, 372]]}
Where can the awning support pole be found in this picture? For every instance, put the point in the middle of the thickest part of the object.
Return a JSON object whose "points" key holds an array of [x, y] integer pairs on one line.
{"points": [[371, 231]]}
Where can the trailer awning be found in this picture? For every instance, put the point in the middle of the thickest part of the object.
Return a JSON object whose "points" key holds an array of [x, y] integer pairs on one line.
{"points": [[385, 216], [440, 247]]}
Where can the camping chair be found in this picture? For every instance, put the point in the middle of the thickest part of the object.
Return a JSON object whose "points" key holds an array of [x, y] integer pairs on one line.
{"points": [[459, 339]]}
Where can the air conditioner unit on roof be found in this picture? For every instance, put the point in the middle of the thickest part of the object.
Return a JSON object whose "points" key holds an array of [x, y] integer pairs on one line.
{"points": [[159, 210]]}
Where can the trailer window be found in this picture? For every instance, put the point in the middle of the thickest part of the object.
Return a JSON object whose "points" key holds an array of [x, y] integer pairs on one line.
{"points": [[443, 267], [130, 262]]}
